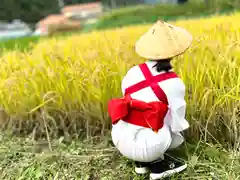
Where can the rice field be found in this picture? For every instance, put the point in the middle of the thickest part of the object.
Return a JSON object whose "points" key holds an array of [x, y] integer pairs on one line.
{"points": [[55, 95], [63, 84]]}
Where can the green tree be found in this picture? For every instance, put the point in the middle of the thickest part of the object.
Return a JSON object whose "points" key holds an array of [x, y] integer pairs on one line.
{"points": [[29, 11]]}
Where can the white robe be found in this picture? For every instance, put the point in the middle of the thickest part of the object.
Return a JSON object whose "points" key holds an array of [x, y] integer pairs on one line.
{"points": [[142, 144]]}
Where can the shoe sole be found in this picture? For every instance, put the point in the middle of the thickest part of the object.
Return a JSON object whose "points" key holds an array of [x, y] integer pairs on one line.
{"points": [[154, 176], [142, 170]]}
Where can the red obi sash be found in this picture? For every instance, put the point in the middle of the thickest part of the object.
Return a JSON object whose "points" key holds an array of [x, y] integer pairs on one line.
{"points": [[148, 115]]}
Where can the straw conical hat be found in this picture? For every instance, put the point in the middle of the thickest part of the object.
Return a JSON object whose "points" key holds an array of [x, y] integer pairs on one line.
{"points": [[163, 41]]}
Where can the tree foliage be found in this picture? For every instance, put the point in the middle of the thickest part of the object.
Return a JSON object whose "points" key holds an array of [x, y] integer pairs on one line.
{"points": [[32, 11], [29, 11]]}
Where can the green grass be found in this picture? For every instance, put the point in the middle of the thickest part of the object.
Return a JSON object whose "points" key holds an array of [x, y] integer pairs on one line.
{"points": [[137, 20], [27, 43], [21, 44], [97, 159], [141, 14]]}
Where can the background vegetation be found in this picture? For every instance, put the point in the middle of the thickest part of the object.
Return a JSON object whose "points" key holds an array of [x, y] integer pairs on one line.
{"points": [[28, 11], [141, 14], [120, 17]]}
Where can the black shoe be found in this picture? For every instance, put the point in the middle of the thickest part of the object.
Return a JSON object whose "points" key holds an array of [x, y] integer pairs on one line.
{"points": [[141, 168], [165, 168]]}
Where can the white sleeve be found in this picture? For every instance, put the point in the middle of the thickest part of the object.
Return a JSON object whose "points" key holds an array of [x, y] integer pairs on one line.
{"points": [[177, 111]]}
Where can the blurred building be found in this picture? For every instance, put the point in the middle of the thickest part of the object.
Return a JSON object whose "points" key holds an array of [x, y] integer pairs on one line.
{"points": [[86, 12], [72, 17], [55, 23]]}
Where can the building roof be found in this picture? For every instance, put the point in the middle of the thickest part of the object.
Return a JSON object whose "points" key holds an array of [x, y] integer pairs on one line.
{"points": [[83, 6], [52, 19], [56, 19]]}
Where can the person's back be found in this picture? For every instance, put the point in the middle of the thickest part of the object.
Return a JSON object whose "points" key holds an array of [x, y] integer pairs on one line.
{"points": [[149, 118], [174, 88]]}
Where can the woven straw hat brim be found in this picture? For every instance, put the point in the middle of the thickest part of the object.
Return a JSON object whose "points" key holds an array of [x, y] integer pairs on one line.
{"points": [[163, 41]]}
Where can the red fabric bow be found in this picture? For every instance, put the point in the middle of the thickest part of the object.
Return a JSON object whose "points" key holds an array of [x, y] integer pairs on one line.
{"points": [[149, 115]]}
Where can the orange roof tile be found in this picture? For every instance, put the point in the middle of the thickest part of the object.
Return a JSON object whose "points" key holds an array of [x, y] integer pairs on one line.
{"points": [[56, 19], [52, 19]]}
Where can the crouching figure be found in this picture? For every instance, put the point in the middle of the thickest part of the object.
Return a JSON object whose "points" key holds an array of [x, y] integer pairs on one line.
{"points": [[149, 118]]}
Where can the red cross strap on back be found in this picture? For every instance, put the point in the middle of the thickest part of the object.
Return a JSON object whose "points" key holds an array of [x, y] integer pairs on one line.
{"points": [[152, 81], [149, 115]]}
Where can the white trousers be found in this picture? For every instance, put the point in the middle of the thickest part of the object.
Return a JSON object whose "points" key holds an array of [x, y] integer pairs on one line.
{"points": [[142, 144]]}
